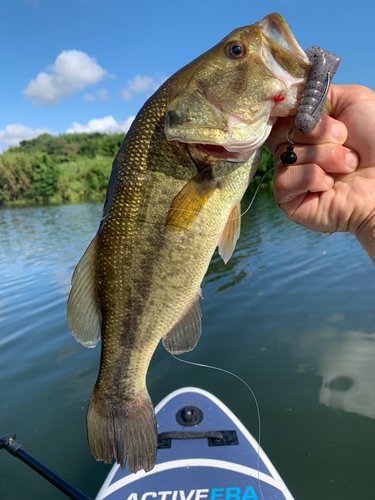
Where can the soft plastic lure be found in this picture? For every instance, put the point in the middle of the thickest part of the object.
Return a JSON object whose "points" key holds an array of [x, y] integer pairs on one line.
{"points": [[323, 69], [314, 96]]}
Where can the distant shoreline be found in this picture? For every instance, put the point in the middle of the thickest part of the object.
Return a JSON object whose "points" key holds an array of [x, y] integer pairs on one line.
{"points": [[70, 169]]}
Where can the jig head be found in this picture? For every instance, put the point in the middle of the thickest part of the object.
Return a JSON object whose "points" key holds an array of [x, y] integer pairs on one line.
{"points": [[289, 156]]}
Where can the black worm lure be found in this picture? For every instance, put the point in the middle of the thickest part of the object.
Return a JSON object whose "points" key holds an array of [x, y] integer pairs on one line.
{"points": [[311, 105]]}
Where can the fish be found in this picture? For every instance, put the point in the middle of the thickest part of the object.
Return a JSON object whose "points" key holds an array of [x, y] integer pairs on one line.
{"points": [[173, 196]]}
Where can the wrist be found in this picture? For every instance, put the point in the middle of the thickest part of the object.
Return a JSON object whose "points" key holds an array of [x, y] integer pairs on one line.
{"points": [[366, 235]]}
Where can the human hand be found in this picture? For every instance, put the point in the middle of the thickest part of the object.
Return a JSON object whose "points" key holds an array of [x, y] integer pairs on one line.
{"points": [[331, 187]]}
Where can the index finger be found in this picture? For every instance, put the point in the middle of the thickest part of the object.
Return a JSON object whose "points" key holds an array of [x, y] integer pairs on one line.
{"points": [[328, 130]]}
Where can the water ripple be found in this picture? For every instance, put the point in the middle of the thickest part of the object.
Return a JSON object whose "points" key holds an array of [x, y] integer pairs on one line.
{"points": [[292, 313]]}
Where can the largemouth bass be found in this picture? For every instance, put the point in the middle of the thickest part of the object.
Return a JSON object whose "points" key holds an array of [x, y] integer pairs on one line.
{"points": [[174, 196]]}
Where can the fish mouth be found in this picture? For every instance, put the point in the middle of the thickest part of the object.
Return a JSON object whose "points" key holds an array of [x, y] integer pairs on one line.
{"points": [[242, 139], [235, 141], [219, 152]]}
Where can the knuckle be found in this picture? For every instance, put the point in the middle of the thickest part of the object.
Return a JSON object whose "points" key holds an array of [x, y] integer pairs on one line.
{"points": [[310, 173], [281, 180]]}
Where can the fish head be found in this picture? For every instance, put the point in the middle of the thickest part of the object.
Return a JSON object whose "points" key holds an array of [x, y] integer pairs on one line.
{"points": [[229, 98]]}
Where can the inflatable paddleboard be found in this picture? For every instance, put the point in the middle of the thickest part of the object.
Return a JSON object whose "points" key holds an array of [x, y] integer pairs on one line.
{"points": [[204, 453]]}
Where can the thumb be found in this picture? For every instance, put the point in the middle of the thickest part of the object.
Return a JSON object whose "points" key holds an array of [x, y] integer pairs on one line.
{"points": [[354, 106]]}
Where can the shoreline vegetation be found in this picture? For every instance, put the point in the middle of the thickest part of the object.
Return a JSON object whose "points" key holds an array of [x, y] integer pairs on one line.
{"points": [[71, 168]]}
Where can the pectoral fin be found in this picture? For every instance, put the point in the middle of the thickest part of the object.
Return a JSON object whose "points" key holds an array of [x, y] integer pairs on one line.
{"points": [[185, 334], [190, 201], [84, 318], [231, 233]]}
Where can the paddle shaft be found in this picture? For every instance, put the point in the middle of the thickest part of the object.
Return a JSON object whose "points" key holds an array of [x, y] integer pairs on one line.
{"points": [[8, 443]]}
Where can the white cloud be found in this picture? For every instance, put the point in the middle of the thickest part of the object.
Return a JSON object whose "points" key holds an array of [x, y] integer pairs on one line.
{"points": [[125, 94], [14, 134], [140, 85], [101, 94], [106, 125], [72, 71]]}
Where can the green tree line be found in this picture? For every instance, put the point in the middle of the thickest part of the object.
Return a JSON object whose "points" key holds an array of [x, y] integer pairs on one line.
{"points": [[69, 168]]}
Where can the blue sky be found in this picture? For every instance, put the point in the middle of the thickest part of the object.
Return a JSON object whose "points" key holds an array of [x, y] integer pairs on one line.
{"points": [[82, 65]]}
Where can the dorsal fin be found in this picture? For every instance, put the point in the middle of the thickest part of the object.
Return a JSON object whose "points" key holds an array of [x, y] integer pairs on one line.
{"points": [[84, 318]]}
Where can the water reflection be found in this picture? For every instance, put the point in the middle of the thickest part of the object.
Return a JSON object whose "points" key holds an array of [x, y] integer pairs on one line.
{"points": [[345, 361]]}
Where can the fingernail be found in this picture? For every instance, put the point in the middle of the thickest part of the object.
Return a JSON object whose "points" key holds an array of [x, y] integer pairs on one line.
{"points": [[338, 131], [329, 180], [352, 160]]}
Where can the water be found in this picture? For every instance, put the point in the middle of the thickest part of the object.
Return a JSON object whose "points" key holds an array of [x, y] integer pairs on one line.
{"points": [[292, 313]]}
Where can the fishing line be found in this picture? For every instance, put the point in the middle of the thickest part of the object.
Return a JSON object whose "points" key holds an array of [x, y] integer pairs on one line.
{"points": [[247, 386], [256, 192]]}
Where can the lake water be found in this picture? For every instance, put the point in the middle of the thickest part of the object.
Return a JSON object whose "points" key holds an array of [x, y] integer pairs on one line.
{"points": [[293, 313]]}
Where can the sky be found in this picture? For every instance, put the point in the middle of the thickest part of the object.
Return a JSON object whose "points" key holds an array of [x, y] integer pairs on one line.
{"points": [[89, 65]]}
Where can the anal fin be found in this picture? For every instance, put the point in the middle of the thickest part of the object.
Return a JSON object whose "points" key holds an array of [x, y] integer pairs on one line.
{"points": [[231, 233], [185, 334]]}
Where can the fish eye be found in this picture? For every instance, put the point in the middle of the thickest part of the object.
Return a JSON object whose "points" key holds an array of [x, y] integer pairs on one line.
{"points": [[235, 50]]}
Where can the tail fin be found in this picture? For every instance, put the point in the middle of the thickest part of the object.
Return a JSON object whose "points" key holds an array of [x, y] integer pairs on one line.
{"points": [[127, 434]]}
